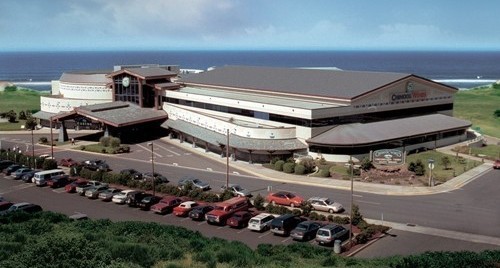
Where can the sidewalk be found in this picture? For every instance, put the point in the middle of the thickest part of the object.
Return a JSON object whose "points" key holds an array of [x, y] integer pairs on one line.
{"points": [[259, 171]]}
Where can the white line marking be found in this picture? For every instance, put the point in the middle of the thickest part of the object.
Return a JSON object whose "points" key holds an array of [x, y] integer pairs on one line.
{"points": [[145, 148], [283, 241], [209, 169], [357, 195], [241, 231], [368, 202], [167, 149], [220, 227], [175, 164], [201, 223], [268, 233], [184, 219], [236, 172]]}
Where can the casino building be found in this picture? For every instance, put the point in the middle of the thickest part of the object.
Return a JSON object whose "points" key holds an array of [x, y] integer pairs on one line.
{"points": [[265, 112]]}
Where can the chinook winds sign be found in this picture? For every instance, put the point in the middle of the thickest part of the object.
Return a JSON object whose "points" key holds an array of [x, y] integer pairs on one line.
{"points": [[409, 94], [388, 157]]}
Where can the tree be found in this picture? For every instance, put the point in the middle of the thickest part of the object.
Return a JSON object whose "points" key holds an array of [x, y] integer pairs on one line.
{"points": [[22, 115], [30, 123], [11, 115], [366, 164], [445, 160], [497, 113]]}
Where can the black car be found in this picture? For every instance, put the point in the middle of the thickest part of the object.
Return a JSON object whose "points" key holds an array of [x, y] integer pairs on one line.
{"points": [[58, 181], [96, 165], [26, 207], [305, 231], [134, 174], [5, 163], [135, 198], [28, 177], [11, 169], [198, 213], [148, 176], [148, 201], [284, 224]]}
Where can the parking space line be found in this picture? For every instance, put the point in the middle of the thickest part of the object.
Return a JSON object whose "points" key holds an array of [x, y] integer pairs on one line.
{"points": [[155, 153], [201, 223], [184, 219], [156, 145], [242, 230], [266, 234], [283, 241], [218, 228]]}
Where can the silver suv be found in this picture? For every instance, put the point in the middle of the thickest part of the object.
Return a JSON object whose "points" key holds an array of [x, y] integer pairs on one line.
{"points": [[329, 233], [325, 204]]}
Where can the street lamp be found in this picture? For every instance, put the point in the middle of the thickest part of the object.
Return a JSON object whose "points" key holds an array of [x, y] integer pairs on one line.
{"points": [[431, 167], [351, 175], [150, 144]]}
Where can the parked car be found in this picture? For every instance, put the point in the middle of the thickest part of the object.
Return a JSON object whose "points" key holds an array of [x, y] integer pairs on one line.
{"points": [[326, 235], [41, 178], [224, 210], [134, 199], [71, 188], [285, 199], [4, 205], [121, 198], [325, 204], [5, 163], [284, 224], [68, 162], [24, 206], [148, 176], [148, 201], [28, 177], [198, 213], [167, 204], [496, 164], [261, 222], [18, 174], [94, 192], [196, 183], [10, 169], [305, 231], [134, 174], [236, 190], [184, 208], [108, 194], [58, 181], [96, 165], [239, 219], [82, 189]]}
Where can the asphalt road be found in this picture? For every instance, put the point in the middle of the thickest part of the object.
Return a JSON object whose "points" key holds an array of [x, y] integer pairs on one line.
{"points": [[472, 209]]}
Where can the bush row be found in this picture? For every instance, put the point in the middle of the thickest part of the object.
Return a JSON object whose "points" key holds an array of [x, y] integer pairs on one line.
{"points": [[27, 160]]}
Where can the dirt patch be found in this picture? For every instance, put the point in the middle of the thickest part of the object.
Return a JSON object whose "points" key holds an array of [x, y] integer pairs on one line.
{"points": [[392, 175]]}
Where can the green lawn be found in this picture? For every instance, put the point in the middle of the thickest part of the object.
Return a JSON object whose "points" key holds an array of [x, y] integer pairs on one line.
{"points": [[491, 151], [20, 100], [478, 106], [456, 167]]}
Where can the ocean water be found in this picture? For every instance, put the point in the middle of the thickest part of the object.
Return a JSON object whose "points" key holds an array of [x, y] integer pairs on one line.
{"points": [[460, 69]]}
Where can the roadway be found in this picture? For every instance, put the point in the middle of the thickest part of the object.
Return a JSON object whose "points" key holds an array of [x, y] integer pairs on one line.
{"points": [[473, 209]]}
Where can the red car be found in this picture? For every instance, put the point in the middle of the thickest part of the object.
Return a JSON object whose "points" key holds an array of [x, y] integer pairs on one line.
{"points": [[496, 165], [285, 199], [166, 204], [67, 162], [71, 188], [239, 219], [183, 209]]}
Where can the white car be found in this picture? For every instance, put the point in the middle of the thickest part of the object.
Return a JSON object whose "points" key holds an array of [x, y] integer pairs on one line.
{"points": [[236, 190], [325, 204], [261, 222], [121, 197]]}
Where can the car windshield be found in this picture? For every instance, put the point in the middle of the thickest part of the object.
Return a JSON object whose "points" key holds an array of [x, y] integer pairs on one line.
{"points": [[196, 181], [289, 195], [237, 188], [301, 227], [328, 202], [254, 221], [323, 233]]}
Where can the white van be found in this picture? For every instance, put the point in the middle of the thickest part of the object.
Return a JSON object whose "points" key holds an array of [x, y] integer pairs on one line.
{"points": [[40, 178]]}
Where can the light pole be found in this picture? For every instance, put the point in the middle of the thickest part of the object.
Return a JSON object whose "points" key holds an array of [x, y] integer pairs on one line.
{"points": [[351, 167], [51, 140], [431, 167], [152, 165], [32, 150], [227, 160]]}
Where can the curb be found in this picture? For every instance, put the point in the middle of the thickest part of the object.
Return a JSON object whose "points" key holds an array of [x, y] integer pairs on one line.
{"points": [[368, 244]]}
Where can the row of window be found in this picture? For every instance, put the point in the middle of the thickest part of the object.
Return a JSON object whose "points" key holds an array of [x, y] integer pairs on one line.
{"points": [[335, 120], [368, 105]]}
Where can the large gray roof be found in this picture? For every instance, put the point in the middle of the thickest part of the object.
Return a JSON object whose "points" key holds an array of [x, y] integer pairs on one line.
{"points": [[85, 77], [147, 73], [235, 141], [323, 83], [377, 132]]}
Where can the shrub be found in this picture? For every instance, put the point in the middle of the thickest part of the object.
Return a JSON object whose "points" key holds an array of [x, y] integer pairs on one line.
{"points": [[308, 164], [114, 142], [276, 209], [43, 140], [338, 219], [274, 160], [324, 173], [300, 169], [356, 215], [209, 197], [85, 173], [366, 164], [288, 167], [82, 147], [306, 208], [279, 165], [363, 237], [49, 164], [258, 202], [105, 141], [297, 212], [11, 115], [226, 195], [22, 115]]}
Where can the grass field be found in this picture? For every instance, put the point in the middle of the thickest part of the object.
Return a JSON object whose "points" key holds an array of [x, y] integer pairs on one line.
{"points": [[478, 106], [20, 100]]}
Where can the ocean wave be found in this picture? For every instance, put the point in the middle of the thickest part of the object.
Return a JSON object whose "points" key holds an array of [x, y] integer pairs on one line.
{"points": [[38, 83], [472, 81]]}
